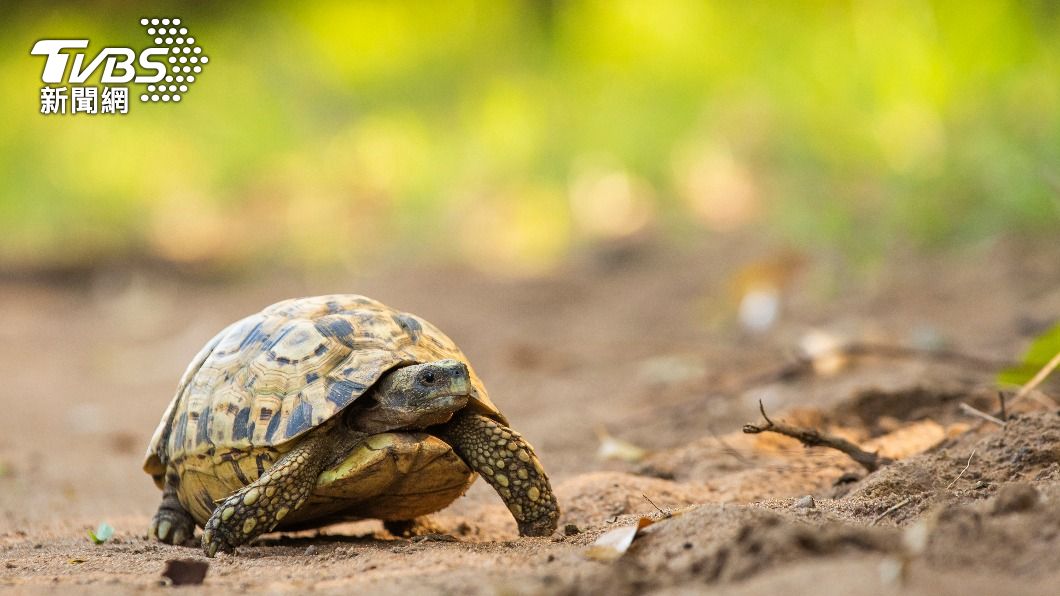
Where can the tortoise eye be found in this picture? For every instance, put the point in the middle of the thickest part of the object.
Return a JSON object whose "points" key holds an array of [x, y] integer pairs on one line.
{"points": [[428, 377]]}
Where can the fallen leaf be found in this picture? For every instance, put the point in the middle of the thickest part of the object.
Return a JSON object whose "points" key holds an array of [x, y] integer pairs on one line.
{"points": [[614, 543], [185, 572], [615, 448], [102, 534], [76, 561]]}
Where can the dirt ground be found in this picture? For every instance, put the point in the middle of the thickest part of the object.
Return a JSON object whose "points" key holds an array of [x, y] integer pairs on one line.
{"points": [[638, 342]]}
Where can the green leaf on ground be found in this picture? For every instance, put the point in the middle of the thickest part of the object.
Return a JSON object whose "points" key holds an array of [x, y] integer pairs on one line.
{"points": [[102, 534], [1040, 352]]}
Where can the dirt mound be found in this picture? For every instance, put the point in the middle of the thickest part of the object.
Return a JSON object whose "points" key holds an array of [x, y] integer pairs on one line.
{"points": [[731, 543], [593, 499], [998, 511], [971, 467], [880, 410]]}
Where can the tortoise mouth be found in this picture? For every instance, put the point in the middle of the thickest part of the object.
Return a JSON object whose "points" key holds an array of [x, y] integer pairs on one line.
{"points": [[438, 412], [452, 402], [375, 417]]}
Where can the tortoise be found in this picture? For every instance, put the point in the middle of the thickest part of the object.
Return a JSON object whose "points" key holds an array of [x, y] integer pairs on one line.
{"points": [[332, 408]]}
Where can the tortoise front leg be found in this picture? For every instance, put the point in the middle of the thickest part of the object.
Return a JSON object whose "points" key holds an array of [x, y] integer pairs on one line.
{"points": [[172, 523], [259, 507], [509, 465]]}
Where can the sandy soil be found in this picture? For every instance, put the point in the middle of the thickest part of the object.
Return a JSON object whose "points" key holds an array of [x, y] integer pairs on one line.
{"points": [[640, 341]]}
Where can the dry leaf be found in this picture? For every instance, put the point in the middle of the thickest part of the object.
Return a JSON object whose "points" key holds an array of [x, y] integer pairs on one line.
{"points": [[615, 448], [614, 543]]}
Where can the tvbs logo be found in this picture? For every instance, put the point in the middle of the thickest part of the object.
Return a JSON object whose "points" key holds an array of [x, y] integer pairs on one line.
{"points": [[118, 68], [168, 68]]}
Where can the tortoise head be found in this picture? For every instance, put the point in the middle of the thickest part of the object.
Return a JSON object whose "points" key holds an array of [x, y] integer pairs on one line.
{"points": [[414, 397]]}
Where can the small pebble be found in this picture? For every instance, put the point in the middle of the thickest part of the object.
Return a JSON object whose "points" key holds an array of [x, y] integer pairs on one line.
{"points": [[981, 485], [806, 502], [311, 550], [571, 530]]}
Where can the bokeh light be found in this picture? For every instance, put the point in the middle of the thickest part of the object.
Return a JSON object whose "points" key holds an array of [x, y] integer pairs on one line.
{"points": [[507, 134]]}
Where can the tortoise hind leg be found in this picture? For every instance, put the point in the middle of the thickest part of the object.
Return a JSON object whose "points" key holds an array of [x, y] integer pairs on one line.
{"points": [[509, 465], [259, 507], [172, 524]]}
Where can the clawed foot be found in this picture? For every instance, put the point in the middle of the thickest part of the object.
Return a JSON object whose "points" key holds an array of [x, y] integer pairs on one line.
{"points": [[260, 506], [508, 463], [171, 526], [234, 522]]}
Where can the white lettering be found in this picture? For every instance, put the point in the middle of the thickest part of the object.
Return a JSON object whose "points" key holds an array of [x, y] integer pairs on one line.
{"points": [[126, 65], [157, 65], [55, 65]]}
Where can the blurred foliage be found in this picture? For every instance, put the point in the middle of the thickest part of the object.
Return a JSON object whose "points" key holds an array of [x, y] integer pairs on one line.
{"points": [[1043, 349], [506, 133]]}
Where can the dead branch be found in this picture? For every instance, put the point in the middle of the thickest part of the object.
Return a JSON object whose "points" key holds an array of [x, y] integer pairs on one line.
{"points": [[812, 437]]}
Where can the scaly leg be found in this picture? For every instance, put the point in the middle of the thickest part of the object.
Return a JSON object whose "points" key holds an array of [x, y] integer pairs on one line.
{"points": [[258, 507], [509, 465], [172, 523]]}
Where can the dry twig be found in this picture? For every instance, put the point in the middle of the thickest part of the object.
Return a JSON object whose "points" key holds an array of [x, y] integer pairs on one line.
{"points": [[966, 466], [891, 510], [665, 514], [812, 437], [981, 414]]}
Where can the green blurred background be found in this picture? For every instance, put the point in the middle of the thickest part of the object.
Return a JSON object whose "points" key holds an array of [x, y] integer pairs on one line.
{"points": [[506, 135]]}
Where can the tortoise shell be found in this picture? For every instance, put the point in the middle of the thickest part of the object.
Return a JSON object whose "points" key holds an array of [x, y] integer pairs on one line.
{"points": [[268, 379]]}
